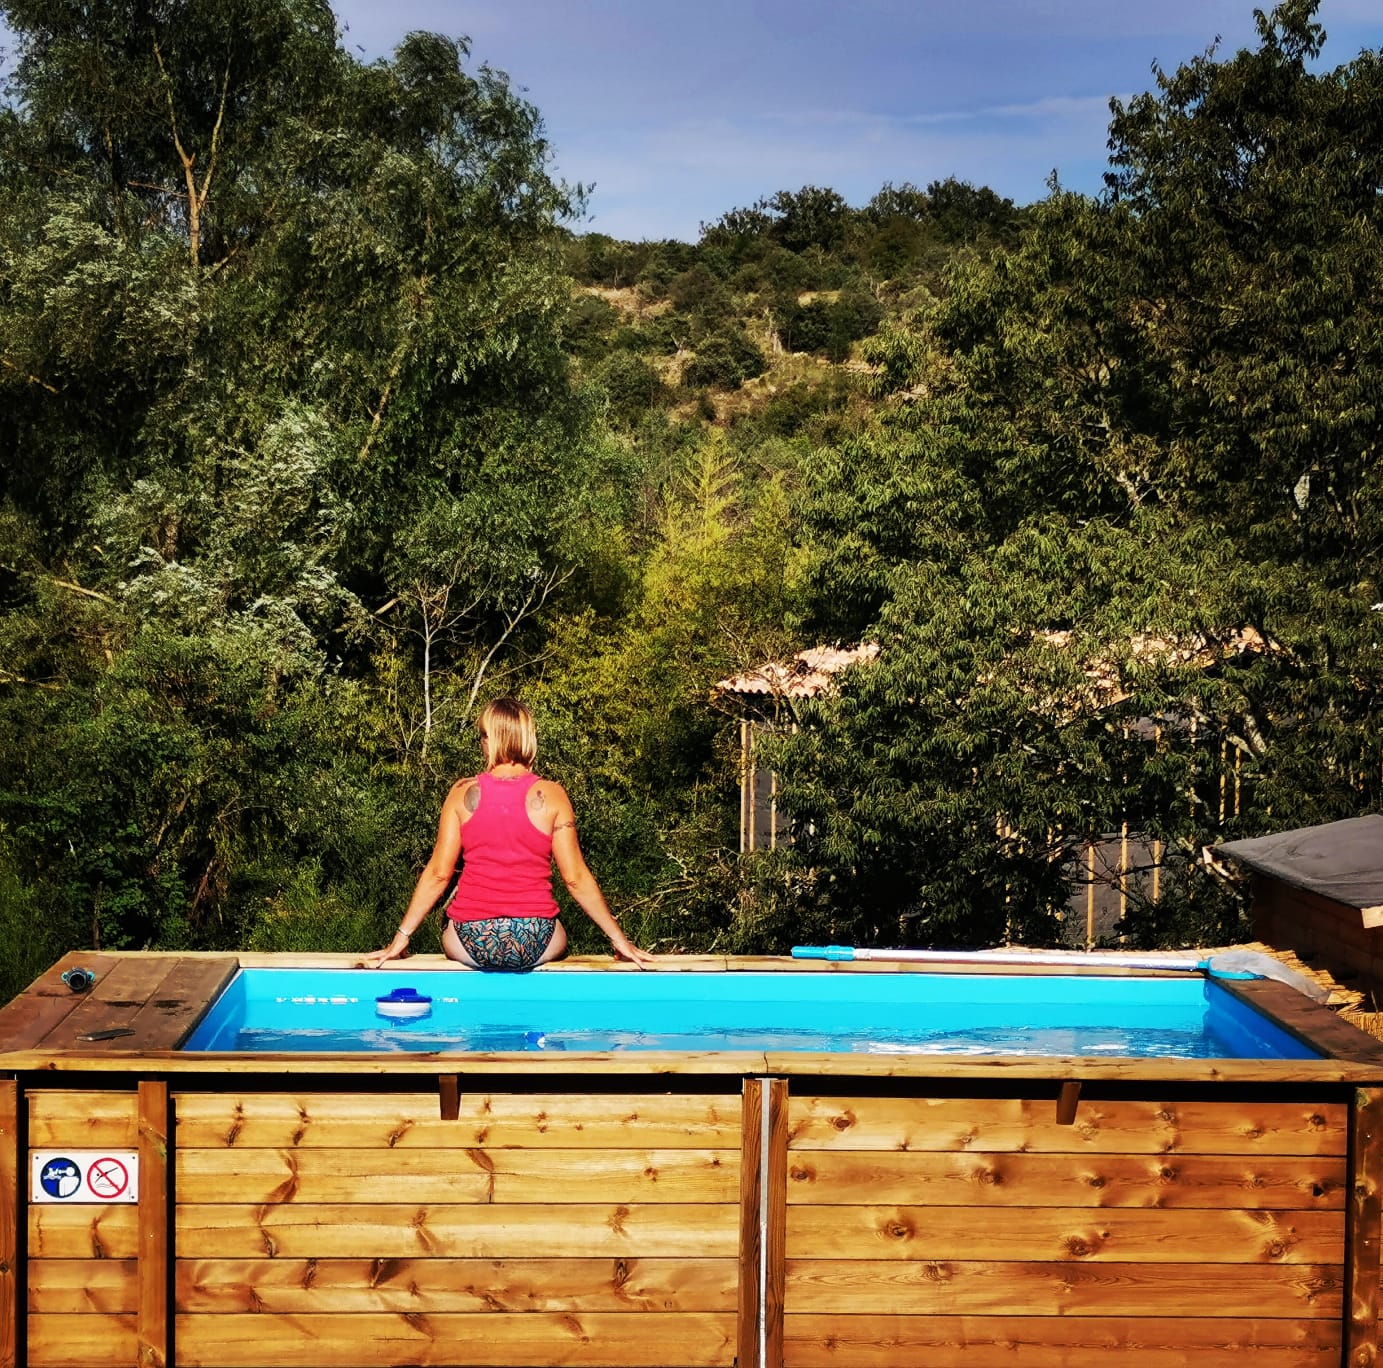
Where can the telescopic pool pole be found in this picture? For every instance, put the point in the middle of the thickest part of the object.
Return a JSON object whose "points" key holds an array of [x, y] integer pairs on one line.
{"points": [[1225, 964]]}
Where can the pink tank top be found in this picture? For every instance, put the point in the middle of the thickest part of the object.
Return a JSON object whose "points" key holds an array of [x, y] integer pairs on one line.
{"points": [[507, 862]]}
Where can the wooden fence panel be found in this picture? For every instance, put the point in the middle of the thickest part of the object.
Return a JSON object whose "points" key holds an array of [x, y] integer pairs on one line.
{"points": [[83, 1294], [531, 1230], [959, 1231]]}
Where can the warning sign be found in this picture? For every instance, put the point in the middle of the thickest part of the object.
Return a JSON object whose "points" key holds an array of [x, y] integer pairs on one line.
{"points": [[100, 1176]]}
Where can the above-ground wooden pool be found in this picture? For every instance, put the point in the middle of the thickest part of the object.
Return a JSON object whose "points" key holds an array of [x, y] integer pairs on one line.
{"points": [[659, 1208]]}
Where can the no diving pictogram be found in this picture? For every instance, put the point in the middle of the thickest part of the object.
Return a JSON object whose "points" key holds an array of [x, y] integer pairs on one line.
{"points": [[107, 1178], [71, 1177]]}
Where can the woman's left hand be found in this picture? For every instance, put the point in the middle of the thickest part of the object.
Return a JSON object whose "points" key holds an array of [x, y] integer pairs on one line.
{"points": [[394, 950], [640, 959]]}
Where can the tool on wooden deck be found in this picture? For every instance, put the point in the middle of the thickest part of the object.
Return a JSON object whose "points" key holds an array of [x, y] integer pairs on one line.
{"points": [[1223, 964]]}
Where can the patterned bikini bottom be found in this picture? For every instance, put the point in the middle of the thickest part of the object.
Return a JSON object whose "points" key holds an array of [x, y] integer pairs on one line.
{"points": [[514, 944]]}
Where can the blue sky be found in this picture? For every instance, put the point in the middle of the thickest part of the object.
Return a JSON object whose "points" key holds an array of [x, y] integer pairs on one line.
{"points": [[679, 110]]}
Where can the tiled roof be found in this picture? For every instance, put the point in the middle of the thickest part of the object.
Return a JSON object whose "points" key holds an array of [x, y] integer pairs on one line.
{"points": [[808, 674], [1104, 672]]}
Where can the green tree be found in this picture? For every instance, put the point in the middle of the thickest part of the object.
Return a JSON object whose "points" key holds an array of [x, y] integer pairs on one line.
{"points": [[1118, 539], [281, 372]]}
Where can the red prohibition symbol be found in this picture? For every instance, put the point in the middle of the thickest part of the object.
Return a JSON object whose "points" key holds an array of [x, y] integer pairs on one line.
{"points": [[107, 1178]]}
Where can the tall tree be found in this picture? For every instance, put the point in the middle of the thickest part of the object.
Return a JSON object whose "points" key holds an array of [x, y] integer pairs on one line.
{"points": [[1119, 541], [279, 347]]}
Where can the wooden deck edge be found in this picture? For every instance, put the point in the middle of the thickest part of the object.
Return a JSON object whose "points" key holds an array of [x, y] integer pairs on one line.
{"points": [[657, 1064]]}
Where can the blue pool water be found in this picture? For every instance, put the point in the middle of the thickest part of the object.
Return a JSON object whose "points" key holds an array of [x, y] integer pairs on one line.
{"points": [[1187, 1017]]}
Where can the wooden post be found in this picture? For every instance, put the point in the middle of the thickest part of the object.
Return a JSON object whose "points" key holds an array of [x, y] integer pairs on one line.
{"points": [[1362, 1222], [751, 1202], [746, 787], [449, 1096], [1068, 1100], [1090, 895], [1125, 873], [763, 1222], [154, 1225], [775, 1220], [9, 1223]]}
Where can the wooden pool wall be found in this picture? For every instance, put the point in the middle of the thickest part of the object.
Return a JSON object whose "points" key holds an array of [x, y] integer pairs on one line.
{"points": [[808, 1212]]}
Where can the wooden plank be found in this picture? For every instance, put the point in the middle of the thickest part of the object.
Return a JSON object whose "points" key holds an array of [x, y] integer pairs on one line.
{"points": [[179, 1001], [750, 1241], [941, 1178], [61, 1118], [1363, 1223], [27, 1020], [123, 987], [69, 1286], [10, 1200], [152, 1325], [488, 1120], [566, 1069], [428, 1286], [82, 1341], [457, 1175], [1326, 1031], [929, 1288], [633, 1340], [830, 1341], [459, 1232], [1028, 1126], [775, 1206], [83, 1232], [1062, 1234]]}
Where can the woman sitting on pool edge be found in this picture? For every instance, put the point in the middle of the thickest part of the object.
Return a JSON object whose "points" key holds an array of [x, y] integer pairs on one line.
{"points": [[508, 825]]}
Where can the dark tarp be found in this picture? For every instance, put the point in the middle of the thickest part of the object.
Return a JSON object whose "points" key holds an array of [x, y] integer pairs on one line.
{"points": [[1339, 860]]}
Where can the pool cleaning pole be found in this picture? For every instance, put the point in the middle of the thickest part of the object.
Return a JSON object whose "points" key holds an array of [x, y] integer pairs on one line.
{"points": [[1223, 964], [1072, 958]]}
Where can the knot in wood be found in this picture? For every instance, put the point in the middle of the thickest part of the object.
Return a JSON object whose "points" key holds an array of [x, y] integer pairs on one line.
{"points": [[843, 1121], [898, 1229], [801, 1173]]}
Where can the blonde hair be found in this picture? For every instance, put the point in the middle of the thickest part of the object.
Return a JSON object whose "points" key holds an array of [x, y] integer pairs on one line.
{"points": [[512, 735]]}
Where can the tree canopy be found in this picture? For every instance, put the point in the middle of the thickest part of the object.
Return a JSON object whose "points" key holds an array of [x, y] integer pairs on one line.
{"points": [[1119, 542], [320, 424]]}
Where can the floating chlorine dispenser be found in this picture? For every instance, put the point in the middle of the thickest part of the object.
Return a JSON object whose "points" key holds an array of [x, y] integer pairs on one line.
{"points": [[403, 1004]]}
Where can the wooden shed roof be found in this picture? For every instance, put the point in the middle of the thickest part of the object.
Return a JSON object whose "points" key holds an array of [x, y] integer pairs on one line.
{"points": [[1338, 860]]}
